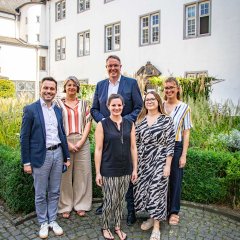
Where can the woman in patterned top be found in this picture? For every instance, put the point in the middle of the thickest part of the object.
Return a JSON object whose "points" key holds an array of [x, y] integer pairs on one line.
{"points": [[181, 115], [76, 185], [155, 144]]}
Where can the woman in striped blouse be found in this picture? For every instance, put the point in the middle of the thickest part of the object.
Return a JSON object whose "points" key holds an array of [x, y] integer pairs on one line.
{"points": [[76, 185], [181, 115]]}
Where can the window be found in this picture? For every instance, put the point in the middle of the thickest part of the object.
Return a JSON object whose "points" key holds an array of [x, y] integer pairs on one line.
{"points": [[26, 37], [60, 49], [83, 43], [38, 37], [150, 29], [197, 19], [112, 37], [42, 63], [83, 5], [106, 1], [196, 74], [38, 19], [60, 10]]}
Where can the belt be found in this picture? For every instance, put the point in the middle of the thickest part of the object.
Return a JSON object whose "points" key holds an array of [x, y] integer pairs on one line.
{"points": [[54, 147]]}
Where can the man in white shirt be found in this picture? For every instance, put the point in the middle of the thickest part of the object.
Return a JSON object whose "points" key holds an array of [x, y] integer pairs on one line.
{"points": [[44, 150]]}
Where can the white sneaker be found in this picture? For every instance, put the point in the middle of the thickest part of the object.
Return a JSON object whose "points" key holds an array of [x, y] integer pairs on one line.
{"points": [[56, 228], [43, 233]]}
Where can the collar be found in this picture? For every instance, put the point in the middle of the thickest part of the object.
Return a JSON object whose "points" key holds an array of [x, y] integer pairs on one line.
{"points": [[117, 82], [43, 104]]}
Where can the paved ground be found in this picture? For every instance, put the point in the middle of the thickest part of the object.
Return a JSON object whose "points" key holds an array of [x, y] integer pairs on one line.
{"points": [[195, 224]]}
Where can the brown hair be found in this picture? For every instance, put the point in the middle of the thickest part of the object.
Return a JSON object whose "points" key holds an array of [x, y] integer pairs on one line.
{"points": [[51, 79], [144, 110], [114, 57], [174, 80], [75, 80], [115, 96]]}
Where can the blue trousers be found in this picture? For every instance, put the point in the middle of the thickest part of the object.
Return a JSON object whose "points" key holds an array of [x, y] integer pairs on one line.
{"points": [[175, 181], [130, 198], [47, 180]]}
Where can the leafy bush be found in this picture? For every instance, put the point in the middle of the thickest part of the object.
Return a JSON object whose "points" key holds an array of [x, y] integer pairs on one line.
{"points": [[231, 140], [16, 187], [211, 119], [7, 88], [211, 177]]}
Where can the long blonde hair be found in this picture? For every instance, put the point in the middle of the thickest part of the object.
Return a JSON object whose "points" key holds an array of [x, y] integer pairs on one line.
{"points": [[144, 110]]}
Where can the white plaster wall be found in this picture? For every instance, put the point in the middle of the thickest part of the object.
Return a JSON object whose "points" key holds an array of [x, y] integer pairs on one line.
{"points": [[218, 53], [18, 63], [7, 27], [32, 28]]}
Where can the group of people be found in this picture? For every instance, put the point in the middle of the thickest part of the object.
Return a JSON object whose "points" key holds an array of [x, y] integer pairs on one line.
{"points": [[140, 152]]}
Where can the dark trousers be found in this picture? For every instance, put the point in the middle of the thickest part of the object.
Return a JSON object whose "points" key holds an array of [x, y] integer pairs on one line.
{"points": [[175, 181], [129, 198]]}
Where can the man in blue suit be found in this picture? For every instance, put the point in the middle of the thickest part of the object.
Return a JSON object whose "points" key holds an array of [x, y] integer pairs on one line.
{"points": [[43, 150], [128, 88]]}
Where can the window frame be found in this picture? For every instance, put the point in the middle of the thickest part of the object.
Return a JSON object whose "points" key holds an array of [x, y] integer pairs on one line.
{"points": [[60, 13], [198, 16], [84, 52], [113, 37], [62, 55], [196, 73], [84, 6], [42, 63], [149, 28]]}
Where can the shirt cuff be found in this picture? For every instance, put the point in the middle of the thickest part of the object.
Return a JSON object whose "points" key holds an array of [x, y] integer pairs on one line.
{"points": [[27, 164]]}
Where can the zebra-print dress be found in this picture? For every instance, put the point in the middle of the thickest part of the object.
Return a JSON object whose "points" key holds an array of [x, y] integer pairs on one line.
{"points": [[154, 144]]}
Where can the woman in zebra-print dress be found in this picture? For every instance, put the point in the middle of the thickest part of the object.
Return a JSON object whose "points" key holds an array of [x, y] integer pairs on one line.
{"points": [[155, 143]]}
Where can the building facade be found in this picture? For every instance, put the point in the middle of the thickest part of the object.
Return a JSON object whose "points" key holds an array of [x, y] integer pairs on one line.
{"points": [[179, 37]]}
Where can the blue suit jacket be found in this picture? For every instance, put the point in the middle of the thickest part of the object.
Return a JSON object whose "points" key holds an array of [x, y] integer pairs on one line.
{"points": [[33, 135], [128, 88]]}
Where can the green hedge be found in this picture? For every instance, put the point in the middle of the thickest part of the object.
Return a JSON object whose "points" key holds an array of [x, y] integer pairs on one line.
{"points": [[16, 187], [209, 177], [212, 177]]}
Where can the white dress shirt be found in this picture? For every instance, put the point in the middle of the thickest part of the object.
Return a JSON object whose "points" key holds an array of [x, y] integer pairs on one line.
{"points": [[113, 88], [51, 124]]}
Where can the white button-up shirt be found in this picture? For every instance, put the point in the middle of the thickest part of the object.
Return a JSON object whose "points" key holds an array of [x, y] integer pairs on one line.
{"points": [[51, 124], [113, 88]]}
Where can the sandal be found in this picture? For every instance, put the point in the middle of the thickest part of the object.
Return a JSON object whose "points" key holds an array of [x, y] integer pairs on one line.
{"points": [[120, 234], [109, 233], [81, 213], [66, 215], [155, 235], [174, 219], [146, 225]]}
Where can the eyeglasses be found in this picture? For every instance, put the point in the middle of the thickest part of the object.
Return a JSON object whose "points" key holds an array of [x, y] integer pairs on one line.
{"points": [[113, 65], [150, 99], [169, 88]]}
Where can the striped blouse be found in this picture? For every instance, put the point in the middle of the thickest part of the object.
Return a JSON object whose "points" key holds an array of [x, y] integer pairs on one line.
{"points": [[181, 116], [75, 119]]}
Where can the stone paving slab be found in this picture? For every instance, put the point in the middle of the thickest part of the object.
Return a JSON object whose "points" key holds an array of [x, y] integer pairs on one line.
{"points": [[194, 224]]}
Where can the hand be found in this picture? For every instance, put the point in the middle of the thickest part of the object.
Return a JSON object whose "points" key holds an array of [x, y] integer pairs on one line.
{"points": [[166, 171], [27, 169], [182, 161], [99, 180], [79, 144], [134, 177], [72, 148], [67, 163]]}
